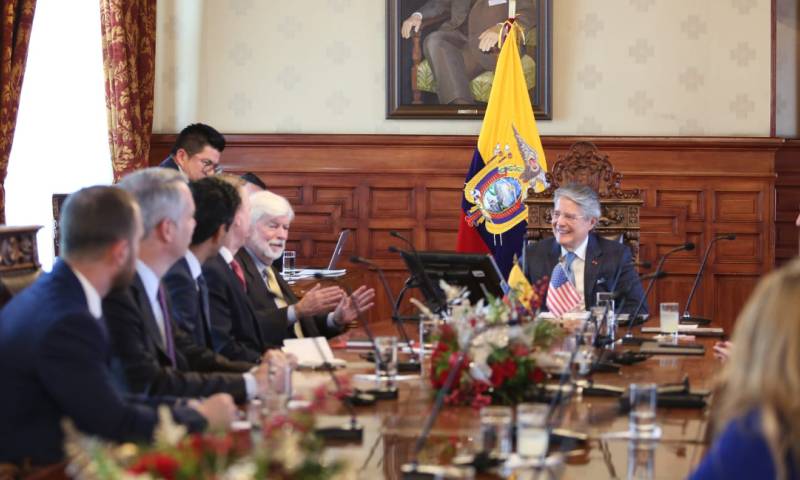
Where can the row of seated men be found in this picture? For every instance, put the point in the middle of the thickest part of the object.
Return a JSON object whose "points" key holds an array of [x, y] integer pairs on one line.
{"points": [[164, 293]]}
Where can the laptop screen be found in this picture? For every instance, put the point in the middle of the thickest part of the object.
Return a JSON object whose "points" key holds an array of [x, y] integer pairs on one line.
{"points": [[337, 250]]}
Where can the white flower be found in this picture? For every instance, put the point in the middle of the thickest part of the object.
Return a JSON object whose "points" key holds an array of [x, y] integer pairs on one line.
{"points": [[240, 471]]}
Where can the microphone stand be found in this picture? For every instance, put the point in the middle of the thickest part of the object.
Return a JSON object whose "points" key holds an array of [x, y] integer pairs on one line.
{"points": [[629, 339], [389, 393], [409, 366], [687, 318], [350, 432]]}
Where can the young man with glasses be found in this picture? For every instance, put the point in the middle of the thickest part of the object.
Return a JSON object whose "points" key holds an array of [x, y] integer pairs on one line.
{"points": [[589, 262], [196, 152]]}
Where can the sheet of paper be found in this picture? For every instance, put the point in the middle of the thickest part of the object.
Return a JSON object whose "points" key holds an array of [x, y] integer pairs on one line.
{"points": [[308, 355]]}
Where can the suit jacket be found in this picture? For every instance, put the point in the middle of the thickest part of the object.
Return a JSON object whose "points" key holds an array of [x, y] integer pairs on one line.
{"points": [[274, 321], [185, 303], [169, 162], [141, 361], [54, 364], [603, 259], [234, 328]]}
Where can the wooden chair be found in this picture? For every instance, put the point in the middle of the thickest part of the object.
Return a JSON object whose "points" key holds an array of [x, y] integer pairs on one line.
{"points": [[58, 202], [19, 260], [585, 164]]}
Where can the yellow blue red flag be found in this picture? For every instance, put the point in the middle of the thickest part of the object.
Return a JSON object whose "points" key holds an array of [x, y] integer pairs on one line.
{"points": [[508, 159]]}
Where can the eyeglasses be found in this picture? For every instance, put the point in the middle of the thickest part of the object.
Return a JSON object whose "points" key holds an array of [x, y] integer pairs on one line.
{"points": [[210, 167], [570, 217]]}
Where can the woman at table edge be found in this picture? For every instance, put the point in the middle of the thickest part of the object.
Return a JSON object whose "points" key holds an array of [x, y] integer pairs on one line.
{"points": [[758, 411]]}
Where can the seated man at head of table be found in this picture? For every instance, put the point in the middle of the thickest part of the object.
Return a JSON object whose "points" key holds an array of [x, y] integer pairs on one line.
{"points": [[323, 311], [152, 354], [54, 345], [577, 255]]}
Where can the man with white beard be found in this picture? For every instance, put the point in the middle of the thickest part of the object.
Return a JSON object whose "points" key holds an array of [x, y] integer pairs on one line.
{"points": [[324, 311]]}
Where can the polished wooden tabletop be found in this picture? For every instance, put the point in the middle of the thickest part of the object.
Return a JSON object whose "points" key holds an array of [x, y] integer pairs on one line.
{"points": [[391, 427]]}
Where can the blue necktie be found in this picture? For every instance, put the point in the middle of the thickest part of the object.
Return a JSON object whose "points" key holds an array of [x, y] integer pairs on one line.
{"points": [[570, 257]]}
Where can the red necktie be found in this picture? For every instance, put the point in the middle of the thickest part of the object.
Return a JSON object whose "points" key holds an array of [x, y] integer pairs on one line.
{"points": [[237, 269]]}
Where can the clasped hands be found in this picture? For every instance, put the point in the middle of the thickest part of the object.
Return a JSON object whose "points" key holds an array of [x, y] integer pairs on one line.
{"points": [[322, 300]]}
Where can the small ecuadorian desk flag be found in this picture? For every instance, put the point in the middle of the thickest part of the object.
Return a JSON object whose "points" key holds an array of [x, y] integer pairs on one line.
{"points": [[509, 158], [517, 281]]}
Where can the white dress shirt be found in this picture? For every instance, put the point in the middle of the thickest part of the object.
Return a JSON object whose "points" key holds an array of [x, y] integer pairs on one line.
{"points": [[578, 267], [93, 300], [195, 269]]}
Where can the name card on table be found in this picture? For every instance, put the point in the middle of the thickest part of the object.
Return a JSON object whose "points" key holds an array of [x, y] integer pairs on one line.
{"points": [[308, 355]]}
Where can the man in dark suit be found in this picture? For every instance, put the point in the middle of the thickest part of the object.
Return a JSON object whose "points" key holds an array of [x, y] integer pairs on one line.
{"points": [[236, 333], [322, 310], [593, 264], [196, 152], [54, 346], [464, 45], [153, 356], [216, 202]]}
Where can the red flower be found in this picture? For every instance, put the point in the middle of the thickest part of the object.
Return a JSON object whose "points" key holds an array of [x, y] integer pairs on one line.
{"points": [[537, 375], [157, 463], [519, 350]]}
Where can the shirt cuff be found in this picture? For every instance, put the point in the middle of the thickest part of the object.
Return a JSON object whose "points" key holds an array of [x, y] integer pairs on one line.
{"points": [[291, 315], [332, 321], [250, 385], [417, 14]]}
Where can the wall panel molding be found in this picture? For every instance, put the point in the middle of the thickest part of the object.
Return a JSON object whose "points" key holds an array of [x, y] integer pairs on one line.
{"points": [[693, 189]]}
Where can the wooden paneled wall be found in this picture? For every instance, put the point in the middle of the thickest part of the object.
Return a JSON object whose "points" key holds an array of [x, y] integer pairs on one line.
{"points": [[693, 189]]}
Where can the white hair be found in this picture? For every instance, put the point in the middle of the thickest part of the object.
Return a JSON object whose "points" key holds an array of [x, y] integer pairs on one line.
{"points": [[586, 198], [269, 205]]}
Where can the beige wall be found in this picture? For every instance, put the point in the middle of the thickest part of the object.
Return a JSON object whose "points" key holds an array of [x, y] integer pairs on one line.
{"points": [[621, 67], [787, 61]]}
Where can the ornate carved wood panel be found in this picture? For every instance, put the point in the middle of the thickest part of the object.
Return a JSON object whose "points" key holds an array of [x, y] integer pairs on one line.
{"points": [[693, 189]]}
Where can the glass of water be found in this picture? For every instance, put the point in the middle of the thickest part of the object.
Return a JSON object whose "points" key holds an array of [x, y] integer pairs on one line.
{"points": [[668, 314], [496, 431], [289, 265], [642, 419], [532, 436], [386, 364], [427, 328]]}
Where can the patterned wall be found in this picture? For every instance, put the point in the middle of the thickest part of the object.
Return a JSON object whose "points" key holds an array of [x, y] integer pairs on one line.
{"points": [[621, 67]]}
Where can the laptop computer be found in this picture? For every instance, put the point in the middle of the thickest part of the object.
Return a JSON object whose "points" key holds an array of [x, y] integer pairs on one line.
{"points": [[331, 271]]}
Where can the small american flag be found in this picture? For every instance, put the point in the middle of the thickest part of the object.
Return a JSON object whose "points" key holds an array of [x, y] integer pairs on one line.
{"points": [[562, 296]]}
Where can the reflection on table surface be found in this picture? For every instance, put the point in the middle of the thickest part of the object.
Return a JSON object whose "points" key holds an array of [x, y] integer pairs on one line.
{"points": [[392, 426]]}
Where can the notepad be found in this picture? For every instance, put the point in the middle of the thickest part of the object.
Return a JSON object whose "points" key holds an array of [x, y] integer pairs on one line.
{"points": [[308, 355]]}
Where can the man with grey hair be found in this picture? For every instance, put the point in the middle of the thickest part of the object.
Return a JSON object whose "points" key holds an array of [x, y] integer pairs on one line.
{"points": [[151, 354], [322, 310], [589, 262]]}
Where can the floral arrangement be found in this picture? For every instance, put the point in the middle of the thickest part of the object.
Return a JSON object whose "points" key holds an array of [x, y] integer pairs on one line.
{"points": [[285, 448], [501, 366]]}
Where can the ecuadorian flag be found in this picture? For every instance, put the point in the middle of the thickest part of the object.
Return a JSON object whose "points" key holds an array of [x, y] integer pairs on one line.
{"points": [[508, 159]]}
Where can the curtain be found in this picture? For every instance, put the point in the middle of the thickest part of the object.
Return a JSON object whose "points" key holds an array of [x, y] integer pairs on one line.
{"points": [[129, 37], [16, 33]]}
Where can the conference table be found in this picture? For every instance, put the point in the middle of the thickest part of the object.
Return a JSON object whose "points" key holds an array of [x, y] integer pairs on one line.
{"points": [[391, 427]]}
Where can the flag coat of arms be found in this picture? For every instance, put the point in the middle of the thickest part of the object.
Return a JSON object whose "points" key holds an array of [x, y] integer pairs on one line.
{"points": [[508, 159]]}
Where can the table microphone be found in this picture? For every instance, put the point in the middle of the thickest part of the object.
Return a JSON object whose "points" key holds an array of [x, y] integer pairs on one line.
{"points": [[380, 394], [411, 366], [351, 432], [629, 338], [687, 318], [439, 305]]}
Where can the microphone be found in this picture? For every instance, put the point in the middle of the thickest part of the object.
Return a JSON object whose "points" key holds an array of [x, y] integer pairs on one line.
{"points": [[629, 338], [350, 432], [379, 394], [412, 366], [435, 302], [687, 318]]}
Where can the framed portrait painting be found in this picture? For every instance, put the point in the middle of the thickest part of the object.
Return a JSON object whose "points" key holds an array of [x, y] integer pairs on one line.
{"points": [[441, 55]]}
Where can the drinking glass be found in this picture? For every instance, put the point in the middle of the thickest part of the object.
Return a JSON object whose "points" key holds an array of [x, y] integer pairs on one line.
{"points": [[641, 460], [668, 313], [279, 390], [289, 265], [386, 364], [496, 431], [427, 328], [606, 328], [642, 419], [532, 436]]}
